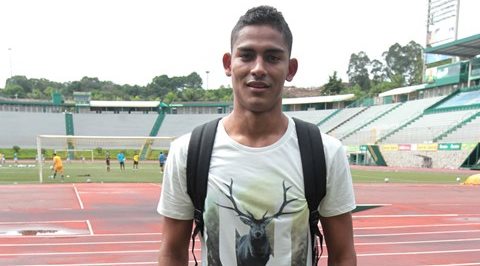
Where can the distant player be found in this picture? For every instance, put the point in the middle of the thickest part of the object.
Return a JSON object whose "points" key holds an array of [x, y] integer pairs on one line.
{"points": [[135, 161], [57, 166], [121, 160], [107, 161], [161, 159]]}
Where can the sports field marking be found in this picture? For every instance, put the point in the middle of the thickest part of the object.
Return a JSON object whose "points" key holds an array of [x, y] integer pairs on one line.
{"points": [[412, 226], [78, 197], [419, 242], [100, 264], [79, 253], [420, 233], [405, 215], [83, 243], [90, 229], [418, 252], [44, 228], [45, 222], [456, 264]]}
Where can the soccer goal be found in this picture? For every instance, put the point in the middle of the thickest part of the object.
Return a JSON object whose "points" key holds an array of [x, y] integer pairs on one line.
{"points": [[89, 149]]}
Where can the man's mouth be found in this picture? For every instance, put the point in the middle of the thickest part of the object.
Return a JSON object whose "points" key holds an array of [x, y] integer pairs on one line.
{"points": [[257, 85]]}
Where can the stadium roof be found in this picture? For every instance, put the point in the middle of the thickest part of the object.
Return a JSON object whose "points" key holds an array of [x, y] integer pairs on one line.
{"points": [[318, 99], [402, 90], [124, 103], [467, 47]]}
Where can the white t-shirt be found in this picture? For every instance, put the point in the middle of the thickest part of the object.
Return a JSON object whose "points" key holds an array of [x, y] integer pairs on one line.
{"points": [[245, 222]]}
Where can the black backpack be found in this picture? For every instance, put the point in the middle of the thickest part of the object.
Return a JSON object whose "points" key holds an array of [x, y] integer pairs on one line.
{"points": [[313, 165]]}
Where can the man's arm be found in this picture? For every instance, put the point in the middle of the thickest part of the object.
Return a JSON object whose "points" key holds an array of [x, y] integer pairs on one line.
{"points": [[175, 242], [338, 232]]}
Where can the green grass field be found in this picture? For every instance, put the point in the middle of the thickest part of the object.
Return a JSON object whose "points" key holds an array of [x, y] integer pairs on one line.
{"points": [[149, 172], [78, 172]]}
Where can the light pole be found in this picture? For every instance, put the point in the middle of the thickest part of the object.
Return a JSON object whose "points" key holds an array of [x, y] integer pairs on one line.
{"points": [[206, 86]]}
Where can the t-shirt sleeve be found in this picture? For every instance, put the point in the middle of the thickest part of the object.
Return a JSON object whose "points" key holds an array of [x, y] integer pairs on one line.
{"points": [[340, 196], [174, 200]]}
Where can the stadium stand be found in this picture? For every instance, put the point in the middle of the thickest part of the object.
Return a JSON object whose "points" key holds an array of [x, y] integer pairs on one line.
{"points": [[22, 128], [108, 124], [370, 133], [179, 124], [314, 116]]}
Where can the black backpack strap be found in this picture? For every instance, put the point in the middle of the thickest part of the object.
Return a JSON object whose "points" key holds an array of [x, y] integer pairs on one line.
{"points": [[314, 176], [198, 164]]}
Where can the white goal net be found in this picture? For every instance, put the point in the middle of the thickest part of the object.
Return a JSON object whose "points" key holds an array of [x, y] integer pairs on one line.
{"points": [[91, 148]]}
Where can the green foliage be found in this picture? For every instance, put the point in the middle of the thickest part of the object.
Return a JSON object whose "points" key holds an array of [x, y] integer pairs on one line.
{"points": [[16, 148], [334, 85]]}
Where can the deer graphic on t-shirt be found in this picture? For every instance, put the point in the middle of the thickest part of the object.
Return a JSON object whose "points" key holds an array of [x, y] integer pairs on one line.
{"points": [[254, 248]]}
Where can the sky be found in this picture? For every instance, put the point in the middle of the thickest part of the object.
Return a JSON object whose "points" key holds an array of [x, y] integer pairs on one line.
{"points": [[132, 41]]}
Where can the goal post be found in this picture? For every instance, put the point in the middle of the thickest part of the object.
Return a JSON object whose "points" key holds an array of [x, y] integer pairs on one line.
{"points": [[79, 147]]}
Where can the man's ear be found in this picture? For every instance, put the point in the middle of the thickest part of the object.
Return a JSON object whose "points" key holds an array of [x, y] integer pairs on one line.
{"points": [[227, 62], [292, 69]]}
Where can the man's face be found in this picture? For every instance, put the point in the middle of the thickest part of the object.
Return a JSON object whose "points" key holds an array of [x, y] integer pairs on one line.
{"points": [[259, 65]]}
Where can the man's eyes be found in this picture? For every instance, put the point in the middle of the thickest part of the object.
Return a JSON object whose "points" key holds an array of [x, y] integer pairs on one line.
{"points": [[269, 58]]}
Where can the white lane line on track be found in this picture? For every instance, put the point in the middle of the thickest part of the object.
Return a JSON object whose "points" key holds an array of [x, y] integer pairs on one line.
{"points": [[419, 233], [455, 264], [79, 253], [418, 242], [418, 252], [405, 215], [44, 222], [90, 229], [78, 196], [108, 264], [83, 235], [412, 226], [100, 264], [83, 243], [69, 244]]}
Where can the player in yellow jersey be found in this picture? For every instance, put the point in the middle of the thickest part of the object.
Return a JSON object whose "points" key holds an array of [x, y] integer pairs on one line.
{"points": [[57, 166], [136, 158]]}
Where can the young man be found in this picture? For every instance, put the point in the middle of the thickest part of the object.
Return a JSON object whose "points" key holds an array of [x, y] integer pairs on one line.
{"points": [[121, 160], [57, 166], [256, 150], [162, 159], [136, 158], [107, 161]]}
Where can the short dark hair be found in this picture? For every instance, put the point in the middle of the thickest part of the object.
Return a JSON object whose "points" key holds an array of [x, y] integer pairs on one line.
{"points": [[264, 15]]}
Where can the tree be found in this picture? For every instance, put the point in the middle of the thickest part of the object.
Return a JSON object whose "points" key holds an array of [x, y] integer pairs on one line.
{"points": [[190, 95], [16, 148], [358, 73], [334, 85], [378, 72], [406, 62]]}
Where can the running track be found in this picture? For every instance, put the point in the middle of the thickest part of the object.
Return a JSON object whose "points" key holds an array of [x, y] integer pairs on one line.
{"points": [[117, 224]]}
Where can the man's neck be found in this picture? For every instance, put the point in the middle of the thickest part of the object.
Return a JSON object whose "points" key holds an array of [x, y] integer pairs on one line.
{"points": [[254, 129]]}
